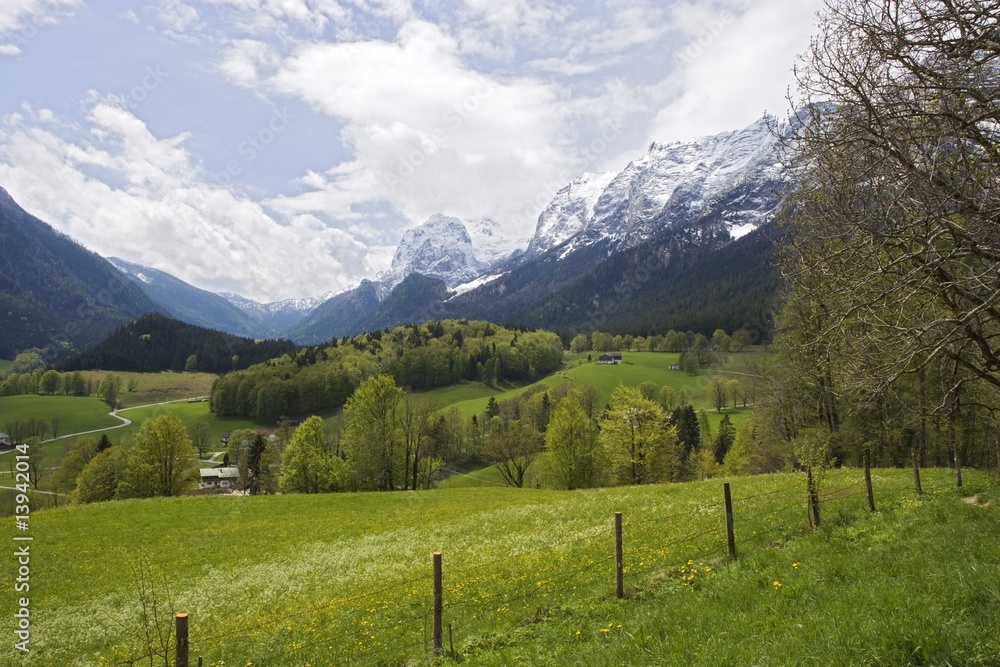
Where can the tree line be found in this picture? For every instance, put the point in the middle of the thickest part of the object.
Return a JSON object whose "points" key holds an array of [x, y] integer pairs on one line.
{"points": [[390, 439], [321, 378], [154, 343]]}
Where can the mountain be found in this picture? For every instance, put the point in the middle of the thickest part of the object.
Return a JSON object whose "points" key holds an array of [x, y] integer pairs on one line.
{"points": [[55, 294], [416, 300], [227, 312], [441, 250], [188, 303], [154, 343], [276, 317], [681, 238], [569, 213], [493, 244], [338, 316], [678, 280], [727, 180]]}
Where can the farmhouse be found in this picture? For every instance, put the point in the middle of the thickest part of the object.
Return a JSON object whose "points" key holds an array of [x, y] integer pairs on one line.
{"points": [[219, 478], [609, 359], [5, 442]]}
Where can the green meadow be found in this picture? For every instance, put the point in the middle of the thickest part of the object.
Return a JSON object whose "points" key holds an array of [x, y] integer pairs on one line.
{"points": [[636, 368], [76, 413], [528, 576], [156, 387]]}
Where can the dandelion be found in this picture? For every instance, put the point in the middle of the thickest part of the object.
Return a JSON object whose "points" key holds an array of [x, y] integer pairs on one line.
{"points": [[777, 585], [795, 565]]}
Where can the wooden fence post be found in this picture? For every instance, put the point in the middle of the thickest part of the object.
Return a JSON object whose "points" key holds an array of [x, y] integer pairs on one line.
{"points": [[958, 465], [916, 472], [619, 565], [438, 603], [730, 533], [868, 483], [182, 640]]}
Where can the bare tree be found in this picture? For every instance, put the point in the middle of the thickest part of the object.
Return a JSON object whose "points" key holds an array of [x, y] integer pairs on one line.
{"points": [[895, 220]]}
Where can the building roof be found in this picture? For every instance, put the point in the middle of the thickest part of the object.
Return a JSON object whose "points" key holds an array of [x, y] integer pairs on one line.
{"points": [[220, 473]]}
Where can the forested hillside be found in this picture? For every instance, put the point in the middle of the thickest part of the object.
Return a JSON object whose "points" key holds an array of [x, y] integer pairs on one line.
{"points": [[55, 294], [320, 378], [681, 279], [155, 343]]}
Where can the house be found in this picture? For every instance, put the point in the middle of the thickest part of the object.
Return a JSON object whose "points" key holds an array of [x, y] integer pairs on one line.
{"points": [[225, 438], [5, 442], [675, 367], [609, 359], [219, 478]]}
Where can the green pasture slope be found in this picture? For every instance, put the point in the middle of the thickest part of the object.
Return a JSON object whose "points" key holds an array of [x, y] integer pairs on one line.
{"points": [[4, 366], [637, 367], [75, 413], [190, 414], [528, 576]]}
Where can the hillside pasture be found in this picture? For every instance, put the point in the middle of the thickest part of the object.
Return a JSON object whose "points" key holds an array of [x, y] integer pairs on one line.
{"points": [[636, 368], [75, 413], [156, 387], [345, 578]]}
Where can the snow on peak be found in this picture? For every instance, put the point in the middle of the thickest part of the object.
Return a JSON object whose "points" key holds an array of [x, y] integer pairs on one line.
{"points": [[492, 243], [727, 178], [570, 210], [440, 248]]}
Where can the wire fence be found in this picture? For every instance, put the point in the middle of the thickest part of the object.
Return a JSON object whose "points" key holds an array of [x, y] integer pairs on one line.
{"points": [[487, 600]]}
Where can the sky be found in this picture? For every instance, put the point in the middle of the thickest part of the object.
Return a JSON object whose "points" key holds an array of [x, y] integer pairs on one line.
{"points": [[280, 148]]}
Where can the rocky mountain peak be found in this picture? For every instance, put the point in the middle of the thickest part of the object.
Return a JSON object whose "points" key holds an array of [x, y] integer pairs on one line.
{"points": [[441, 247]]}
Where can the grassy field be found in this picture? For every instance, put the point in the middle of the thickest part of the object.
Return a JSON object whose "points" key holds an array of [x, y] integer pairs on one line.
{"points": [[157, 387], [190, 414], [638, 367], [528, 576], [75, 413], [4, 366]]}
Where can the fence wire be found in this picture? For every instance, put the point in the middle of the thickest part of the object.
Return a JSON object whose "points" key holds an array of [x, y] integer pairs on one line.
{"points": [[396, 630]]}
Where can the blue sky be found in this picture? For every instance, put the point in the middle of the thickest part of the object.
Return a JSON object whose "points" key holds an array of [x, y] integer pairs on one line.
{"points": [[280, 148]]}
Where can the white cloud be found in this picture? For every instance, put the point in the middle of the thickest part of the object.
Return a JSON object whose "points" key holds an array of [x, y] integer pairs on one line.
{"points": [[21, 20], [428, 133], [165, 213], [736, 63]]}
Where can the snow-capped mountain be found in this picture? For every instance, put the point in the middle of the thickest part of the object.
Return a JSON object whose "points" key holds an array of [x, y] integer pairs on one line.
{"points": [[444, 247], [570, 212], [493, 244], [440, 248], [727, 178], [290, 308]]}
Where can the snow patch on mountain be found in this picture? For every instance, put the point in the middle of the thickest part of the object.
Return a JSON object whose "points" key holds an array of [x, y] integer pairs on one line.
{"points": [[473, 284]]}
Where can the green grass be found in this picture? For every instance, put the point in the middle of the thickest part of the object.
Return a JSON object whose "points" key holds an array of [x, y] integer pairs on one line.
{"points": [[190, 414], [4, 366], [637, 367], [337, 579], [75, 413], [157, 387]]}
